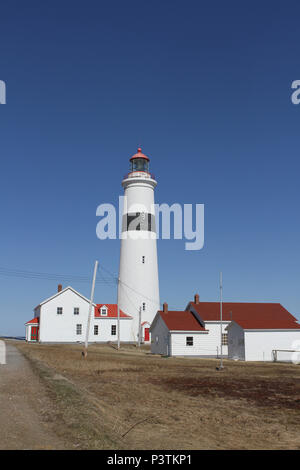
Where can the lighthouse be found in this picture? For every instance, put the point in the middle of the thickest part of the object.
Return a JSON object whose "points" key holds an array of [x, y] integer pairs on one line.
{"points": [[138, 287]]}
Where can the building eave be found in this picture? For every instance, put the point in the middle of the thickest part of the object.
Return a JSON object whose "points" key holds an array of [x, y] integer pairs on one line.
{"points": [[189, 331], [61, 292]]}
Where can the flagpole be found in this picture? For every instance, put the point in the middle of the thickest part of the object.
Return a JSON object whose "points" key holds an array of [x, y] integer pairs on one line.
{"points": [[118, 315], [221, 322]]}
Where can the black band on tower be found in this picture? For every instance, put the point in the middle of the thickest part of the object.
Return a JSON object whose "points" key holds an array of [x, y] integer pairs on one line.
{"points": [[138, 221]]}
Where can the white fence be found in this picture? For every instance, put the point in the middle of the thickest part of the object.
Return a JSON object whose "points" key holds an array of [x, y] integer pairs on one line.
{"points": [[286, 355]]}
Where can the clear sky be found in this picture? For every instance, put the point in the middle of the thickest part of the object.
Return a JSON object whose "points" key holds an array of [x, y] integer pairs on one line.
{"points": [[204, 88]]}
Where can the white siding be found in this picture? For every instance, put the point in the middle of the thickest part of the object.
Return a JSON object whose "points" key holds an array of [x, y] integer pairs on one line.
{"points": [[236, 342], [212, 346], [62, 328], [27, 332], [259, 344], [174, 343], [179, 347]]}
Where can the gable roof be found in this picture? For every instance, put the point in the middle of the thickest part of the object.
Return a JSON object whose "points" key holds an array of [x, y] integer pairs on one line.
{"points": [[112, 311], [34, 321], [180, 321], [61, 292], [247, 315]]}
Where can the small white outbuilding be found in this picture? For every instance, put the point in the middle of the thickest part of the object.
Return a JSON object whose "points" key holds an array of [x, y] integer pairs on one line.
{"points": [[177, 333], [251, 340]]}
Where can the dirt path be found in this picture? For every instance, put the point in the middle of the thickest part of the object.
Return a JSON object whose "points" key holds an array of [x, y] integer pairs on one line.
{"points": [[22, 398]]}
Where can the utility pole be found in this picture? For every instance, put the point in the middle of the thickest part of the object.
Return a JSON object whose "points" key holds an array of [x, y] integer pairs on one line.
{"points": [[118, 314], [90, 310], [221, 320], [140, 320]]}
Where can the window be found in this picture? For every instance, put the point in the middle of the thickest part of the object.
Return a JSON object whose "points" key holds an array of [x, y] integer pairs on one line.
{"points": [[104, 311], [139, 164], [224, 339], [79, 329], [156, 339], [144, 306], [113, 330], [96, 330], [59, 310], [189, 340], [76, 310], [143, 259]]}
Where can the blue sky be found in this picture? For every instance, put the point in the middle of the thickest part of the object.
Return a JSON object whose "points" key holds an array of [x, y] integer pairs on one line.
{"points": [[204, 88]]}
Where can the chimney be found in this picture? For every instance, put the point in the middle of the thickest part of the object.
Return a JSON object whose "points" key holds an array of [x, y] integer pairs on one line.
{"points": [[165, 307], [59, 288], [196, 299]]}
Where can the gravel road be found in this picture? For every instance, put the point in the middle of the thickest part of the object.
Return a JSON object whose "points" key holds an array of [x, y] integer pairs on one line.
{"points": [[22, 398]]}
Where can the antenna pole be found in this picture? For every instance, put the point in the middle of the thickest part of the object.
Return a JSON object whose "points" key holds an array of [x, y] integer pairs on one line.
{"points": [[90, 310], [139, 337], [118, 315], [221, 319]]}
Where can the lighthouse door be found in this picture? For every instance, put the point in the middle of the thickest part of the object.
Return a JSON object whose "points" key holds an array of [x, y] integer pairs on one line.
{"points": [[147, 335]]}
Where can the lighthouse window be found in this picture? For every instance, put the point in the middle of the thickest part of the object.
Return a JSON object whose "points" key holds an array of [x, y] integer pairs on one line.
{"points": [[189, 340], [59, 310], [78, 329], [96, 330], [103, 311], [143, 259], [113, 330], [144, 306], [140, 164]]}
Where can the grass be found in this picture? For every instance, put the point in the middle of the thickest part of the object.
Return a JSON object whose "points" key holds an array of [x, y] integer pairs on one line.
{"points": [[130, 399]]}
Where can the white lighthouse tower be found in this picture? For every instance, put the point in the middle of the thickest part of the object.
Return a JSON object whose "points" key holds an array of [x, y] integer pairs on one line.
{"points": [[138, 289]]}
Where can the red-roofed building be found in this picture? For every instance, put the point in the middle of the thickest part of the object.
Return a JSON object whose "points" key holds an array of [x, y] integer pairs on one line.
{"points": [[32, 329], [176, 333], [250, 331], [109, 311], [62, 318]]}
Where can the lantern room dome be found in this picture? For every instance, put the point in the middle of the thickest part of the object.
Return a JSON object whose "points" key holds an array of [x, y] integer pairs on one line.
{"points": [[139, 154]]}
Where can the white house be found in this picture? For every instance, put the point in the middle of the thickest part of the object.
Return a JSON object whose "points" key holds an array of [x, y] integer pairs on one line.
{"points": [[63, 318], [177, 333], [250, 331]]}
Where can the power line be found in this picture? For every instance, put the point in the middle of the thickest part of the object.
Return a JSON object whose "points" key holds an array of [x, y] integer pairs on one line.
{"points": [[134, 290], [48, 276], [113, 280]]}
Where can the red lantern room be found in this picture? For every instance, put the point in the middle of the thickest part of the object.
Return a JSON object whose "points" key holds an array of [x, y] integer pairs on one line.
{"points": [[139, 162]]}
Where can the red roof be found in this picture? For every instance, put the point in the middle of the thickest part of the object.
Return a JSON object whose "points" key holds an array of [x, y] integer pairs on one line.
{"points": [[248, 315], [35, 321], [112, 311], [139, 154], [181, 321]]}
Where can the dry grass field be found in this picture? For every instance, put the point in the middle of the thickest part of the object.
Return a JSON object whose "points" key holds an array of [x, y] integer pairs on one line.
{"points": [[130, 399]]}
